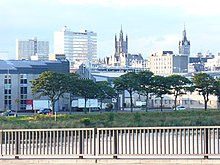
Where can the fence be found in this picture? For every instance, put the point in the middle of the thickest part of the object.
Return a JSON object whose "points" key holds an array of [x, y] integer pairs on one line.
{"points": [[146, 141]]}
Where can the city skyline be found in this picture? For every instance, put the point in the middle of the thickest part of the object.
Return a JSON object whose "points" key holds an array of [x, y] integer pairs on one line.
{"points": [[151, 25]]}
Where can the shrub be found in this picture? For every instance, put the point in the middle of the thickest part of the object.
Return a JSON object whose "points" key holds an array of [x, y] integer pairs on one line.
{"points": [[85, 121], [41, 117]]}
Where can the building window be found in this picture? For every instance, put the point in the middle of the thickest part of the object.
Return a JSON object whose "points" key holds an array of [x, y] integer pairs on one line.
{"points": [[23, 79], [23, 90], [7, 81]]}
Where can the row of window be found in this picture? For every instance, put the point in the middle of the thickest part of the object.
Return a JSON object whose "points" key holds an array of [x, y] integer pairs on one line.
{"points": [[7, 92], [183, 102]]}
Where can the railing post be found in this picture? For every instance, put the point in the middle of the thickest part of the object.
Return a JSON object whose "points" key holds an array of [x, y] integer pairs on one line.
{"points": [[80, 144], [94, 140], [17, 144], [1, 137], [206, 142], [115, 144]]}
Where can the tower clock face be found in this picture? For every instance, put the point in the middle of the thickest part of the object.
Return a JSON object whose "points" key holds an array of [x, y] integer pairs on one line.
{"points": [[185, 43]]}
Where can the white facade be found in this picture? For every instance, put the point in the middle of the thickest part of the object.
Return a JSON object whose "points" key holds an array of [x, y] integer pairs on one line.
{"points": [[78, 47], [213, 64], [32, 47], [165, 62]]}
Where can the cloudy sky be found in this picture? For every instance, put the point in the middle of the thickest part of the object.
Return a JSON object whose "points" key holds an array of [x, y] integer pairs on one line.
{"points": [[151, 25]]}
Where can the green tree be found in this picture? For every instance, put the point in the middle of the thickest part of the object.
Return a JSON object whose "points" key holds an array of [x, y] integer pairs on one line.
{"points": [[204, 84], [127, 82], [160, 87], [217, 90], [118, 90], [50, 84], [178, 86], [87, 89], [145, 84], [72, 89], [105, 91]]}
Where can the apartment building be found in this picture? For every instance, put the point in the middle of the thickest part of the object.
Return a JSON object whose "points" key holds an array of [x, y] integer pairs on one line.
{"points": [[79, 47], [27, 49], [166, 62]]}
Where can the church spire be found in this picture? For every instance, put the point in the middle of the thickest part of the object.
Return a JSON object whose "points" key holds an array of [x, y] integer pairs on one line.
{"points": [[121, 45], [184, 33], [184, 44], [121, 34]]}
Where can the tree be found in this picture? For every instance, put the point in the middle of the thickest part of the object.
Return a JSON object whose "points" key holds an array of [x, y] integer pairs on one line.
{"points": [[118, 90], [160, 87], [178, 86], [217, 90], [73, 80], [204, 84], [127, 82], [87, 89], [104, 91], [50, 84], [145, 84]]}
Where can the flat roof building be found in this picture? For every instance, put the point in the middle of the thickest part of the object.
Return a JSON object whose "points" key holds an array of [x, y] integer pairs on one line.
{"points": [[25, 49], [16, 76], [78, 47], [165, 62]]}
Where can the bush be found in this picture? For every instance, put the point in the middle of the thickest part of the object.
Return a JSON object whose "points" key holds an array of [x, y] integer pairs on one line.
{"points": [[85, 121], [41, 117]]}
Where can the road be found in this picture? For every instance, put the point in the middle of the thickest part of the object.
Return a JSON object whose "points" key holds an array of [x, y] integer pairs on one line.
{"points": [[125, 110]]}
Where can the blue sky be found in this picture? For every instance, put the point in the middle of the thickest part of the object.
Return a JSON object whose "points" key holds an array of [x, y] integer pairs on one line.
{"points": [[151, 25]]}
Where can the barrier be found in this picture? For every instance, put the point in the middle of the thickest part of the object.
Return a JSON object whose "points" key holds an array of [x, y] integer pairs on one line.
{"points": [[140, 141]]}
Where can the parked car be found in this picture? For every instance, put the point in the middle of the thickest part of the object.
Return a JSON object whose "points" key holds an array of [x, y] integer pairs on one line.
{"points": [[44, 111], [180, 107], [8, 113]]}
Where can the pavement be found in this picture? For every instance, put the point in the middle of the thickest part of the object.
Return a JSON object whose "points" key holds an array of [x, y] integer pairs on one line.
{"points": [[57, 161]]}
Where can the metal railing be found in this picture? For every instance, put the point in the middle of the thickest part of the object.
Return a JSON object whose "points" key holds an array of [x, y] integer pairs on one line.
{"points": [[143, 141]]}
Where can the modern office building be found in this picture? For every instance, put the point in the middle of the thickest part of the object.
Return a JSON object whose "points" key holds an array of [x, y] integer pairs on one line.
{"points": [[25, 49], [184, 44], [16, 76], [79, 47], [165, 62]]}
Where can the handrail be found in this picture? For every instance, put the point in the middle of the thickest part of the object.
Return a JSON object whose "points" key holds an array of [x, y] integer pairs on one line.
{"points": [[129, 141]]}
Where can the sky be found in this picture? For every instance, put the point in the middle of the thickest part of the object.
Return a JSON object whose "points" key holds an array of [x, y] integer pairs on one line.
{"points": [[151, 25]]}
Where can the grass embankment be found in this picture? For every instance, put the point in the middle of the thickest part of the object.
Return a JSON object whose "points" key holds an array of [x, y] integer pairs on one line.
{"points": [[95, 120]]}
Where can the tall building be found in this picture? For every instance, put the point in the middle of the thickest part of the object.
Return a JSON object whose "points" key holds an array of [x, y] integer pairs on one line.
{"points": [[32, 47], [121, 45], [79, 47], [121, 50], [184, 44]]}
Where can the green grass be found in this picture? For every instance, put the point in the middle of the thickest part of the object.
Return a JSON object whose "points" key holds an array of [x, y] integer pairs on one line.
{"points": [[95, 120]]}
